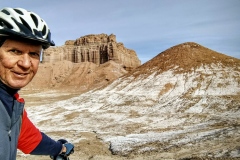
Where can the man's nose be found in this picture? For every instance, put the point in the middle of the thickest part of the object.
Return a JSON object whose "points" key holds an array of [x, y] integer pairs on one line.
{"points": [[25, 61]]}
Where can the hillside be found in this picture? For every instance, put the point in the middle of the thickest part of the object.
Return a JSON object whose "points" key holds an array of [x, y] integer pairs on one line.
{"points": [[75, 77], [185, 57], [182, 104]]}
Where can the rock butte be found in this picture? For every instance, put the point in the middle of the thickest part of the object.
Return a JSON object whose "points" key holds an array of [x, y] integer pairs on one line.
{"points": [[99, 48]]}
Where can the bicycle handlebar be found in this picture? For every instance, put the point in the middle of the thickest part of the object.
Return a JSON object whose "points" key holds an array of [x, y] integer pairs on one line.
{"points": [[60, 157]]}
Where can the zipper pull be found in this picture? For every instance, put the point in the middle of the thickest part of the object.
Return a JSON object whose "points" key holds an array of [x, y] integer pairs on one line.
{"points": [[9, 135]]}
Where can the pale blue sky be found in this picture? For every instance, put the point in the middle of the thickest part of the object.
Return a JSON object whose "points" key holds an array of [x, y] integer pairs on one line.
{"points": [[146, 26]]}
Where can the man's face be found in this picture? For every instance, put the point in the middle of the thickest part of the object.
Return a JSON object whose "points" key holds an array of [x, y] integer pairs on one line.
{"points": [[19, 62]]}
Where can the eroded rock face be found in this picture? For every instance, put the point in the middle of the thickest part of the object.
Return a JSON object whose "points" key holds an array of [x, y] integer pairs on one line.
{"points": [[93, 48]]}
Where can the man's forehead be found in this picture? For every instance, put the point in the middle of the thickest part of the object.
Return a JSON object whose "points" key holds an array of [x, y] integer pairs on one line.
{"points": [[11, 40], [24, 40]]}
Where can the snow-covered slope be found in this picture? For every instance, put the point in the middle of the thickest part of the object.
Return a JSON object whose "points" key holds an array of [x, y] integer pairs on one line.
{"points": [[187, 105]]}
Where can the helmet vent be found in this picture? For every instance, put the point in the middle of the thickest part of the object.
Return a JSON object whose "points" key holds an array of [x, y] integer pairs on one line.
{"points": [[6, 12], [37, 33], [44, 30], [25, 24], [35, 20], [5, 24], [18, 11]]}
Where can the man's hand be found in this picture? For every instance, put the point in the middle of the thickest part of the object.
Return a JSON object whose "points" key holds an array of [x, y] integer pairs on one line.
{"points": [[67, 149]]}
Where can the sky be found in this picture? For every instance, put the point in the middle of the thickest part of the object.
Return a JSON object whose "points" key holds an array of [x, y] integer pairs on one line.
{"points": [[145, 26]]}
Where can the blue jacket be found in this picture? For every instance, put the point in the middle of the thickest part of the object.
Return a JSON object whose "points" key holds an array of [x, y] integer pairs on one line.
{"points": [[17, 131], [9, 131]]}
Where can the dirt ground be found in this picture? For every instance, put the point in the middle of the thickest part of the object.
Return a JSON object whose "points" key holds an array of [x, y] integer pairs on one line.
{"points": [[91, 147]]}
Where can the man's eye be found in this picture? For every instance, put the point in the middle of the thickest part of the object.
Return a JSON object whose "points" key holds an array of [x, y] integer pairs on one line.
{"points": [[15, 51], [34, 54]]}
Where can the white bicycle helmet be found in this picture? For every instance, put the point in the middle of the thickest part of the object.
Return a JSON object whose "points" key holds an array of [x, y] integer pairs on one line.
{"points": [[26, 24]]}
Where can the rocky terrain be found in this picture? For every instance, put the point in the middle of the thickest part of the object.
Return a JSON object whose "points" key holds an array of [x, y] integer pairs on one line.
{"points": [[183, 104], [97, 49]]}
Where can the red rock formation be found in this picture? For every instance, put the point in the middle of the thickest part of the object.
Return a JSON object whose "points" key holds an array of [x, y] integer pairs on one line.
{"points": [[98, 49]]}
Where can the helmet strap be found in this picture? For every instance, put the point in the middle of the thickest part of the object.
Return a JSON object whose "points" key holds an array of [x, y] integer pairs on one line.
{"points": [[2, 40]]}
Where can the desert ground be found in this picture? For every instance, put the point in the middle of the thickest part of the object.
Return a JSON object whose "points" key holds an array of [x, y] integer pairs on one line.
{"points": [[91, 147]]}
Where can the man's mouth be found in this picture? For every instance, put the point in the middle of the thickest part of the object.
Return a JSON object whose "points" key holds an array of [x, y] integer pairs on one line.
{"points": [[20, 74]]}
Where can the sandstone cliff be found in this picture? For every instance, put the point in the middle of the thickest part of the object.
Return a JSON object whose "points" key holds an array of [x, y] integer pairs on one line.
{"points": [[93, 48]]}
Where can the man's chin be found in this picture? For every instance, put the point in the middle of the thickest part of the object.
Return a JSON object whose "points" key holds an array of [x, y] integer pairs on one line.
{"points": [[18, 85]]}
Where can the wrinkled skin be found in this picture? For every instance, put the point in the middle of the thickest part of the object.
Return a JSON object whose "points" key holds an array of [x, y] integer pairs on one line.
{"points": [[19, 62]]}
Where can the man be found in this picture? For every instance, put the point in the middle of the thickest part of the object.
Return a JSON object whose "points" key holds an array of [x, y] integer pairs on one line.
{"points": [[23, 35]]}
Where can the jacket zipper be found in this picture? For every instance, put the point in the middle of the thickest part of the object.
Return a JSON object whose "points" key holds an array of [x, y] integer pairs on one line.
{"points": [[9, 135]]}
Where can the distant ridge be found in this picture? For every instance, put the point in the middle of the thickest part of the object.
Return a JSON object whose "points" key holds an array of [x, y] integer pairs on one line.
{"points": [[186, 57]]}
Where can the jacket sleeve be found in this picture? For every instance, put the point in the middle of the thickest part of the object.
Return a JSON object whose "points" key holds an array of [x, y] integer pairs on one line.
{"points": [[47, 146], [29, 136]]}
